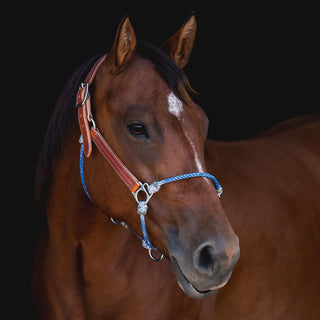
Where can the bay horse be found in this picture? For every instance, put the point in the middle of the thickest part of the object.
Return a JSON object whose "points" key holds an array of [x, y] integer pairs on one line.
{"points": [[144, 163]]}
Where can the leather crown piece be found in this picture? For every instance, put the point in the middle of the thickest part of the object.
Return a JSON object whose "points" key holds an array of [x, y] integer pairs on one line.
{"points": [[83, 105], [90, 133]]}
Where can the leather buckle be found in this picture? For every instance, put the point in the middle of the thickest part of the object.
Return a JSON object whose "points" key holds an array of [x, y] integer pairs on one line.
{"points": [[83, 86]]}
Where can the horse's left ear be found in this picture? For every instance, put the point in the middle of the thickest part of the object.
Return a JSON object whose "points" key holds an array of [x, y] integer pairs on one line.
{"points": [[179, 45]]}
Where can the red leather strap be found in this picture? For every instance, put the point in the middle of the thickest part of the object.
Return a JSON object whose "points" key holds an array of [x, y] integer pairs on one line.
{"points": [[84, 114], [92, 73], [118, 166], [84, 106], [88, 134]]}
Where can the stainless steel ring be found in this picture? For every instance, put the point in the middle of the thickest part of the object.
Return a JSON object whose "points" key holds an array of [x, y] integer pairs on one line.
{"points": [[93, 123], [153, 258]]}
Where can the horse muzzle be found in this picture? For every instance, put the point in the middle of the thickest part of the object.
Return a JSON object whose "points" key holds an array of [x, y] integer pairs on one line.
{"points": [[207, 268]]}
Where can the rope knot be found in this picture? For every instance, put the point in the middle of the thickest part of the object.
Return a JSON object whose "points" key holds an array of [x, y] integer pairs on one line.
{"points": [[154, 187], [142, 207]]}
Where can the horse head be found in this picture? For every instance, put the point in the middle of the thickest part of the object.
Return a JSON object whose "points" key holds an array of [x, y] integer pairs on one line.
{"points": [[142, 106]]}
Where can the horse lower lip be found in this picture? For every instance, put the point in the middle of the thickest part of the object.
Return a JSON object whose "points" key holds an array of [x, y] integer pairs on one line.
{"points": [[187, 287], [201, 292], [215, 288]]}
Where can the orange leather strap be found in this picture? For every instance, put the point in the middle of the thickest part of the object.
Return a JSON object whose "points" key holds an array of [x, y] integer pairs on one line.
{"points": [[90, 133], [84, 116], [84, 106], [118, 166]]}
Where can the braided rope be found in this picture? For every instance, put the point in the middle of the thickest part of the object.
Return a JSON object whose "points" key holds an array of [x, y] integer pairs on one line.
{"points": [[154, 187], [145, 241], [82, 171]]}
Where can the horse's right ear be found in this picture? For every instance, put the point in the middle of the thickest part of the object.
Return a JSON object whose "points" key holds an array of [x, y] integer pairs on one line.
{"points": [[124, 44]]}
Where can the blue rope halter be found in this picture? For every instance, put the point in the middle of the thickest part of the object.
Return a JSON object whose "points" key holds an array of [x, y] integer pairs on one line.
{"points": [[149, 191]]}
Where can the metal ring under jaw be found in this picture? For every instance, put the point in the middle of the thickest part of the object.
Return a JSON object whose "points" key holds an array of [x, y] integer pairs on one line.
{"points": [[153, 258], [119, 223]]}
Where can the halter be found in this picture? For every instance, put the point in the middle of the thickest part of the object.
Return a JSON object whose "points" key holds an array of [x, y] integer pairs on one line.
{"points": [[139, 190]]}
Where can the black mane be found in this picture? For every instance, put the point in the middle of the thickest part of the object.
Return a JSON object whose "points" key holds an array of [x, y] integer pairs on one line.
{"points": [[64, 115], [62, 118]]}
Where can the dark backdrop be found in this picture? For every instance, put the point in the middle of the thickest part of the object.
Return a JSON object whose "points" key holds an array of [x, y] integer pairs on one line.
{"points": [[253, 66]]}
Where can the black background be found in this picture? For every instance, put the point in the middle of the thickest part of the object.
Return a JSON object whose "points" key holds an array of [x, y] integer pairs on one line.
{"points": [[253, 66]]}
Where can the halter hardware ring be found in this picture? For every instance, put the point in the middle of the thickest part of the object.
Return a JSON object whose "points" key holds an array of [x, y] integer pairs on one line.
{"points": [[143, 188], [86, 94], [119, 223], [93, 123], [153, 258]]}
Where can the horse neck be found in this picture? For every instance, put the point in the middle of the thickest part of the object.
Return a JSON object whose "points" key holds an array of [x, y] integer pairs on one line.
{"points": [[77, 239], [72, 218]]}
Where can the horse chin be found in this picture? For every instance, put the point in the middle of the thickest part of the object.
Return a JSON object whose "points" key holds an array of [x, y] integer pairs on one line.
{"points": [[188, 288]]}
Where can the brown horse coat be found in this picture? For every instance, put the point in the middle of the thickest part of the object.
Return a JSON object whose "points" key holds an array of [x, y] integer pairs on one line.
{"points": [[272, 199], [88, 268]]}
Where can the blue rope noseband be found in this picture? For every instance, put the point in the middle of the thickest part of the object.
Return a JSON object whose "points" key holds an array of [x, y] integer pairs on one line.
{"points": [[154, 187], [148, 191]]}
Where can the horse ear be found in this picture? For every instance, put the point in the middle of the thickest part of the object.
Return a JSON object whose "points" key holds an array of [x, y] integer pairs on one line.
{"points": [[124, 43], [179, 45]]}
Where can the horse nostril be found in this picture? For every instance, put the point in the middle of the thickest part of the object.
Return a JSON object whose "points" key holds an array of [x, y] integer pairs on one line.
{"points": [[208, 260], [204, 259]]}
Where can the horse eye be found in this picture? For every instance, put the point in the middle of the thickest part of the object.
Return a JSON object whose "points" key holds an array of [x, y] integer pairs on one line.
{"points": [[137, 129]]}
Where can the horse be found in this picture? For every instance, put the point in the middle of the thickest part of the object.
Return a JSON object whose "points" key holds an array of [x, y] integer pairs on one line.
{"points": [[126, 166]]}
